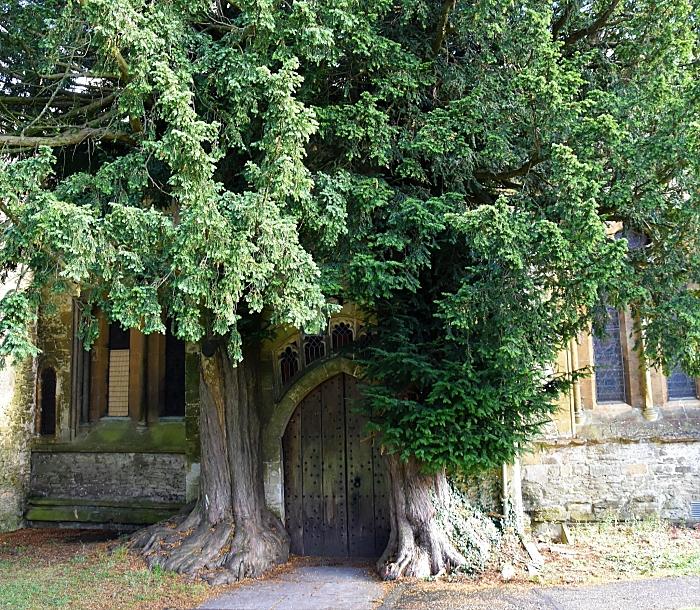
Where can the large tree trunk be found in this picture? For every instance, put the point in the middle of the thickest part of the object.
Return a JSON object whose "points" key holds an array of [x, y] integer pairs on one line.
{"points": [[230, 529], [417, 546]]}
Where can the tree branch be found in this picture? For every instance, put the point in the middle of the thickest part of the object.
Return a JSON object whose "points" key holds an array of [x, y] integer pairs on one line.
{"points": [[447, 7], [71, 75], [598, 24], [561, 20], [221, 26], [60, 100], [88, 108], [513, 173], [65, 139]]}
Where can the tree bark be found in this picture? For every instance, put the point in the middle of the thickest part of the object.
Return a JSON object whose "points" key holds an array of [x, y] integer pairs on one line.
{"points": [[417, 546], [68, 138], [230, 529]]}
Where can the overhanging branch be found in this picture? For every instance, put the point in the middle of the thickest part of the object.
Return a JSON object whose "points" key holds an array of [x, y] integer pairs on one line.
{"points": [[597, 25], [65, 139], [507, 175]]}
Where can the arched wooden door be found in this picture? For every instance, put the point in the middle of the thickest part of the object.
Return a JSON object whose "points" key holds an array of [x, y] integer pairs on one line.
{"points": [[335, 485]]}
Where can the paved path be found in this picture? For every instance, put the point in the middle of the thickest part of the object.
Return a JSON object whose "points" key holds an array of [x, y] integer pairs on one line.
{"points": [[357, 588], [653, 594], [307, 588]]}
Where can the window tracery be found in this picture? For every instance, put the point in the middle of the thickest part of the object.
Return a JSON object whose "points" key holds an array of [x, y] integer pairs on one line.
{"points": [[314, 348], [289, 362], [342, 335]]}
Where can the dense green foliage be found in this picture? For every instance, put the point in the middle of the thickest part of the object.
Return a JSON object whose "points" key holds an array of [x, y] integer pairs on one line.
{"points": [[453, 167]]}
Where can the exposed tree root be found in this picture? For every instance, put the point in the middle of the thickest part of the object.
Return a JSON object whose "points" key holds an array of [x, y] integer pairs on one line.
{"points": [[417, 546], [230, 534], [253, 551]]}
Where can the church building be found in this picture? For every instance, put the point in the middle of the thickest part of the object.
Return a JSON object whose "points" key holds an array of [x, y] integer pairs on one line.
{"points": [[109, 437]]}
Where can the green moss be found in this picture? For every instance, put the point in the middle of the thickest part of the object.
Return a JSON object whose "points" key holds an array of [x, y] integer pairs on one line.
{"points": [[126, 514], [124, 435], [14, 443], [192, 431], [41, 501]]}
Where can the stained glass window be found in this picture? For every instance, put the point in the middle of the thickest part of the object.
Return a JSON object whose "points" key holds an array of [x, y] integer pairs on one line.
{"points": [[607, 353]]}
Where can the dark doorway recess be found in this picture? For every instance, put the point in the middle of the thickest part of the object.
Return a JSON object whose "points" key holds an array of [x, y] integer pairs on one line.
{"points": [[174, 377], [48, 402], [335, 488]]}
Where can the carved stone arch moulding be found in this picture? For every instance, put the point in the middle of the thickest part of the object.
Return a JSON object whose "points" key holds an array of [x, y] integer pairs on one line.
{"points": [[274, 429]]}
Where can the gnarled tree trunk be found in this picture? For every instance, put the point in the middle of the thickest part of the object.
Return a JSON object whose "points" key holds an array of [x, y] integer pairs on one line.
{"points": [[230, 527], [417, 546]]}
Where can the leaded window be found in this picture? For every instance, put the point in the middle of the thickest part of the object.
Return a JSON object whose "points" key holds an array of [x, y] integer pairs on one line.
{"points": [[127, 374], [289, 362], [609, 368], [118, 372], [314, 348], [341, 335], [680, 385]]}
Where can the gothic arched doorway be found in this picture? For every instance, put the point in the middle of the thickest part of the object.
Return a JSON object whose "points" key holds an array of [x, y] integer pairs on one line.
{"points": [[335, 485]]}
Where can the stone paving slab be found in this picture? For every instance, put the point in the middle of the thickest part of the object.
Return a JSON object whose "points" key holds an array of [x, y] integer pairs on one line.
{"points": [[307, 588]]}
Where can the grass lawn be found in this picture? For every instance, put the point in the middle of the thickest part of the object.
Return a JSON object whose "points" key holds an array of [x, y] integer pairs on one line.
{"points": [[82, 570], [88, 570]]}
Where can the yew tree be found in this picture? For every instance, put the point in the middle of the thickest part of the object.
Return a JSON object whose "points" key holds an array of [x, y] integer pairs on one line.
{"points": [[483, 178]]}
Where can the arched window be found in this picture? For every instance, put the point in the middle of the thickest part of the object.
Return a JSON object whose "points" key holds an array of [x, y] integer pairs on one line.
{"points": [[607, 355], [289, 362], [680, 385], [314, 348], [48, 402], [341, 335]]}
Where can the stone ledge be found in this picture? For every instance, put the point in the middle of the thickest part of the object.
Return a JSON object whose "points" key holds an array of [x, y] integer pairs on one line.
{"points": [[620, 440], [81, 510], [73, 448], [111, 435]]}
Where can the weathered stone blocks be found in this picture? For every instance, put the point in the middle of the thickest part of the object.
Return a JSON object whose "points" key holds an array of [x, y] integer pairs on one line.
{"points": [[110, 476], [613, 478], [16, 426]]}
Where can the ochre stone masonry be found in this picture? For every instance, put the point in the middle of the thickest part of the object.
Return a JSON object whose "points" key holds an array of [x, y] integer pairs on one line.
{"points": [[612, 479], [616, 462], [17, 413], [596, 460], [109, 471], [55, 340], [16, 428]]}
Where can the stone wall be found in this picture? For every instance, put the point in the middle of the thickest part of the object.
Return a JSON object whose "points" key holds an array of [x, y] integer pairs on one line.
{"points": [[16, 427], [55, 340], [583, 479], [158, 477]]}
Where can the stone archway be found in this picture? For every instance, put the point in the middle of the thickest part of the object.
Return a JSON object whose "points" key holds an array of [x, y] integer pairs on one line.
{"points": [[274, 428], [335, 480]]}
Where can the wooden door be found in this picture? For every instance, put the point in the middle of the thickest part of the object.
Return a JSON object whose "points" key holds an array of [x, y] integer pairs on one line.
{"points": [[335, 486]]}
